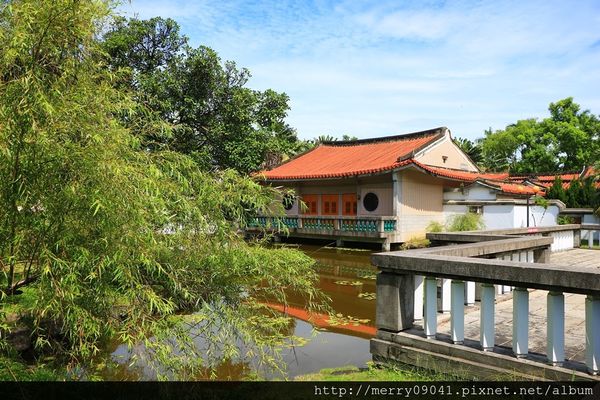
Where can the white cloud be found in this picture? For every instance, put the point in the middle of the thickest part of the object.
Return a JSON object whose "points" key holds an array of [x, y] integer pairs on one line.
{"points": [[387, 67]]}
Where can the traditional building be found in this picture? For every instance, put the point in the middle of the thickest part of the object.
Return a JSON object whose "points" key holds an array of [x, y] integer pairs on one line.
{"points": [[389, 189]]}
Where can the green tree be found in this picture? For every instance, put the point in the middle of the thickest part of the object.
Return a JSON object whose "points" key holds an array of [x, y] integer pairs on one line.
{"points": [[107, 239], [557, 191], [472, 149], [212, 115], [574, 194], [568, 140]]}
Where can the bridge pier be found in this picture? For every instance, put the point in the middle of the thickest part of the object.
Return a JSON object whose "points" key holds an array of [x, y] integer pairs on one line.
{"points": [[395, 308]]}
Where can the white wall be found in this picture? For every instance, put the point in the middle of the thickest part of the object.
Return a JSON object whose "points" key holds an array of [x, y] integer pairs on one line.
{"points": [[385, 196], [537, 216], [499, 216]]}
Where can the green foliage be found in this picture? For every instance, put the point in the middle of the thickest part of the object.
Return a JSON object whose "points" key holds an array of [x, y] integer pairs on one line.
{"points": [[435, 227], [13, 369], [565, 220], [574, 194], [465, 222], [568, 140], [112, 241], [212, 116], [580, 193], [557, 191], [373, 372], [472, 149], [415, 243]]}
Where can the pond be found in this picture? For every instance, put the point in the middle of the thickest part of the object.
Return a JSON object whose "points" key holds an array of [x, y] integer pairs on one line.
{"points": [[348, 278]]}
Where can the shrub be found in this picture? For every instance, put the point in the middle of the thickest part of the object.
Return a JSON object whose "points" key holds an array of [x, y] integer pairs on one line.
{"points": [[465, 222], [434, 227]]}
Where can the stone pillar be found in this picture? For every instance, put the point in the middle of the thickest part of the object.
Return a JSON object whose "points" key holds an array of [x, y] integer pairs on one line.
{"points": [[394, 310], [487, 317], [430, 317], [380, 226], [577, 238], [386, 246], [520, 334], [446, 287], [469, 293], [457, 313], [418, 313], [592, 334], [555, 342]]}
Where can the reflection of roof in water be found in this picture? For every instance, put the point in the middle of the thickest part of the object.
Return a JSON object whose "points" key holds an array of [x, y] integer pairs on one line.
{"points": [[320, 321]]}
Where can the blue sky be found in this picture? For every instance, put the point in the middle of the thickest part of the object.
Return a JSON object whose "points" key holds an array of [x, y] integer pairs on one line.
{"points": [[373, 68]]}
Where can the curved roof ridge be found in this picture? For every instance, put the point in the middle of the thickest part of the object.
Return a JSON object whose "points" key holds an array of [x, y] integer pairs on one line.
{"points": [[382, 139]]}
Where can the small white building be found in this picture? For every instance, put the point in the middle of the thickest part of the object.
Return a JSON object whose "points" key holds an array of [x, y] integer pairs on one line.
{"points": [[502, 205]]}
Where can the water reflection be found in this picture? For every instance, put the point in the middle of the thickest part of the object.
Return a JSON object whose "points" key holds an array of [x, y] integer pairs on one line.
{"points": [[348, 278]]}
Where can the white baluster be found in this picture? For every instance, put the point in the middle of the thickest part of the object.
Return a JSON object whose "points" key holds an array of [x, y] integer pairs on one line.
{"points": [[592, 334], [555, 343], [487, 317], [469, 293], [520, 337], [430, 317], [418, 312], [530, 256], [446, 285], [457, 315]]}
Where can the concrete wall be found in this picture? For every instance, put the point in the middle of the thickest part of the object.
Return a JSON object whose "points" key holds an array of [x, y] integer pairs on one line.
{"points": [[498, 216], [537, 216], [384, 194], [421, 202]]}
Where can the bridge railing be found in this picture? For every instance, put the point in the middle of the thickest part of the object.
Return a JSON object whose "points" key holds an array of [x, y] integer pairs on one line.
{"points": [[407, 287], [589, 232], [330, 224]]}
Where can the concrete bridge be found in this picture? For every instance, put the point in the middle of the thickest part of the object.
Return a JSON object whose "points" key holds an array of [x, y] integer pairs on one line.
{"points": [[491, 304]]}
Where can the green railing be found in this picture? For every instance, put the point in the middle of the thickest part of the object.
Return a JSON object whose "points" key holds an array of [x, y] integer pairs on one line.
{"points": [[389, 225], [318, 223], [359, 225], [264, 222]]}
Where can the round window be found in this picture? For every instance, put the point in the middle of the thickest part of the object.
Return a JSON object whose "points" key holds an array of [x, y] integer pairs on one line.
{"points": [[288, 202], [370, 201]]}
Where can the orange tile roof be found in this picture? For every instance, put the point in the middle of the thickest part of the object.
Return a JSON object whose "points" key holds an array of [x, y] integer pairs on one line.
{"points": [[459, 174], [360, 157], [515, 188]]}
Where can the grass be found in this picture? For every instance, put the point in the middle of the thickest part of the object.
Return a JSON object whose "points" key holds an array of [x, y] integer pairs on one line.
{"points": [[584, 245], [372, 373]]}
